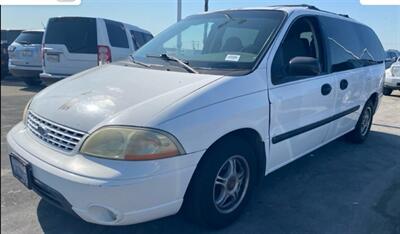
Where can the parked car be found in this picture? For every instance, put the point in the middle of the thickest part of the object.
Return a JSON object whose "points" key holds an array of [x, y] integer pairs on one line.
{"points": [[74, 44], [7, 37], [25, 57], [392, 78], [391, 57], [199, 115]]}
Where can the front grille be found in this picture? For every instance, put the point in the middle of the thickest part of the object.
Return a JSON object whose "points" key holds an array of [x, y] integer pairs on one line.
{"points": [[54, 134]]}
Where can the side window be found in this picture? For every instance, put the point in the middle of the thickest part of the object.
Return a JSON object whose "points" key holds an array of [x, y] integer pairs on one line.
{"points": [[372, 49], [352, 46], [302, 40], [139, 38], [148, 37], [135, 43], [116, 34]]}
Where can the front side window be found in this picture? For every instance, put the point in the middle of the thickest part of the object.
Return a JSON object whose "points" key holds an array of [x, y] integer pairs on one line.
{"points": [[226, 40], [301, 41]]}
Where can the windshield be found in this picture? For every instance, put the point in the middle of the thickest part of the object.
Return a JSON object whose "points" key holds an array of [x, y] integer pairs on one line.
{"points": [[30, 38], [228, 40]]}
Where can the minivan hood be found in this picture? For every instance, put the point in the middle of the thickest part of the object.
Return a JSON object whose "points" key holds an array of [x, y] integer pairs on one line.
{"points": [[98, 95]]}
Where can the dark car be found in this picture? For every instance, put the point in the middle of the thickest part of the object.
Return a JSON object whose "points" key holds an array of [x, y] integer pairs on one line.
{"points": [[7, 37]]}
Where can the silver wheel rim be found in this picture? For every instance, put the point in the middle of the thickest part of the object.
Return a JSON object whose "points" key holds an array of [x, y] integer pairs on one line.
{"points": [[366, 121], [231, 183]]}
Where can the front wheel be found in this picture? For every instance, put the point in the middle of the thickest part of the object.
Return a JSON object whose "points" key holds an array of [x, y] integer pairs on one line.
{"points": [[222, 184], [363, 126], [387, 91]]}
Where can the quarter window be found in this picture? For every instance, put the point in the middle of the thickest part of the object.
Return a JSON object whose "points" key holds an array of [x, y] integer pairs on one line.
{"points": [[117, 34]]}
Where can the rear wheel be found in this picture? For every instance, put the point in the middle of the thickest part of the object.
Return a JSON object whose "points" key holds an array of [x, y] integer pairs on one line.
{"points": [[387, 91], [363, 126], [222, 184]]}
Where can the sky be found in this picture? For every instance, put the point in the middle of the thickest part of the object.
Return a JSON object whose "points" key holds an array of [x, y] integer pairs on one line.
{"points": [[157, 15]]}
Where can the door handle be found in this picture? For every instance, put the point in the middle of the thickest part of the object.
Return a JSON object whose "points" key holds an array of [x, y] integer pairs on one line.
{"points": [[344, 84], [326, 89]]}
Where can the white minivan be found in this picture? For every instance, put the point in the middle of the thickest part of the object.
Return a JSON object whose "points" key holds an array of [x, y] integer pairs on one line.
{"points": [[199, 115], [74, 44]]}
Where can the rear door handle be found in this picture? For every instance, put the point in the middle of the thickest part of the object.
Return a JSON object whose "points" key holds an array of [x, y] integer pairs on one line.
{"points": [[344, 84], [326, 89]]}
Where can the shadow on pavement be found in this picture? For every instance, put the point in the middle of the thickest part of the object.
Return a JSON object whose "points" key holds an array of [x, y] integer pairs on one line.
{"points": [[339, 188], [19, 83]]}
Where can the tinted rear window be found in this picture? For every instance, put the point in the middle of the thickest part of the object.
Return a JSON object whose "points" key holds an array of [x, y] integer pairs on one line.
{"points": [[30, 38], [117, 34], [79, 35], [353, 46]]}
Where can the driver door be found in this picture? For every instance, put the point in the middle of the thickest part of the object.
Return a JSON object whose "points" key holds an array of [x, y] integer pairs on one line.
{"points": [[300, 105]]}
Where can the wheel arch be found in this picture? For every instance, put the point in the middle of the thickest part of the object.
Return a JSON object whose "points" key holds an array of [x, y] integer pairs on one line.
{"points": [[375, 100]]}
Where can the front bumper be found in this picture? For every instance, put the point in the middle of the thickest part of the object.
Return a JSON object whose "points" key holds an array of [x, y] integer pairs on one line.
{"points": [[156, 193], [392, 82], [49, 79]]}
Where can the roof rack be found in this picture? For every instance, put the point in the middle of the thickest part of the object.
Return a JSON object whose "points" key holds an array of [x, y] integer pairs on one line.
{"points": [[311, 7]]}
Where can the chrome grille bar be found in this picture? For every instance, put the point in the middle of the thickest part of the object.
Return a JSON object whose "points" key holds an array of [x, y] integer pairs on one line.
{"points": [[54, 134]]}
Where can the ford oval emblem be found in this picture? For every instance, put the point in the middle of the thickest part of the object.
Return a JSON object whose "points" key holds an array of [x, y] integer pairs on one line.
{"points": [[42, 130]]}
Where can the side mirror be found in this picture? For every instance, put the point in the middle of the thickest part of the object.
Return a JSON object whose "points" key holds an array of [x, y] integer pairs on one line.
{"points": [[304, 66]]}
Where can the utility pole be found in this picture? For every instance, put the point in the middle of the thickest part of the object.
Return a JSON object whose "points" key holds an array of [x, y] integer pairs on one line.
{"points": [[205, 5], [205, 25], [179, 10], [179, 17]]}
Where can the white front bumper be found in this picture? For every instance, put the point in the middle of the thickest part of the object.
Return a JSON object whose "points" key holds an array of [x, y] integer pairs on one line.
{"points": [[157, 193], [392, 82]]}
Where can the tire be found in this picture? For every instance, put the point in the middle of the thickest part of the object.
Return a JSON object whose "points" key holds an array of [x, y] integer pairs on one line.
{"points": [[363, 126], [387, 91], [203, 202], [31, 81]]}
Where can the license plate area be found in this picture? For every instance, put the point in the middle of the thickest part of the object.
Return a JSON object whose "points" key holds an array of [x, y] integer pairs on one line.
{"points": [[53, 58], [27, 53], [21, 170]]}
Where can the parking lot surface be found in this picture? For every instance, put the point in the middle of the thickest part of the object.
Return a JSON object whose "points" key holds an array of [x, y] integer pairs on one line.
{"points": [[341, 188]]}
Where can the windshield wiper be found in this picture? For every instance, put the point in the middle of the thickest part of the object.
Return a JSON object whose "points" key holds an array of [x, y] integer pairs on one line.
{"points": [[172, 58], [133, 60]]}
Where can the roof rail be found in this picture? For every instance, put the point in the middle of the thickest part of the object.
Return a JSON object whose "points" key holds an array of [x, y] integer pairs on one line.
{"points": [[311, 7]]}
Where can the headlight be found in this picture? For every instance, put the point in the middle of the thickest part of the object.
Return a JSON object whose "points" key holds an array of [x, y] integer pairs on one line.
{"points": [[395, 71], [129, 143], [25, 114]]}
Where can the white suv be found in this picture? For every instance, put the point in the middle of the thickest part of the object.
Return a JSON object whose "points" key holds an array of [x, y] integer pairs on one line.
{"points": [[392, 78], [199, 115], [25, 59], [74, 44]]}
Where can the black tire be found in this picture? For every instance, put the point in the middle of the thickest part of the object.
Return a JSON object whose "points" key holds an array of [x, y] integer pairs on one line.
{"points": [[387, 91], [361, 131], [32, 81], [200, 204]]}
